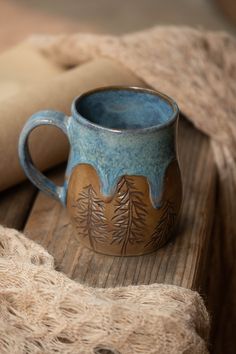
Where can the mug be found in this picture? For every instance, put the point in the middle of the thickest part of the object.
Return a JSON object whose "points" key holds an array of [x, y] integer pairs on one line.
{"points": [[122, 185]]}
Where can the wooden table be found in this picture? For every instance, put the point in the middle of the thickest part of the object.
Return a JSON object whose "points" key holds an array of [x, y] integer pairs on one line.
{"points": [[183, 261]]}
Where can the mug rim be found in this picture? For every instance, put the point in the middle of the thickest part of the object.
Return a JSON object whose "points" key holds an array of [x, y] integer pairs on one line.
{"points": [[86, 122]]}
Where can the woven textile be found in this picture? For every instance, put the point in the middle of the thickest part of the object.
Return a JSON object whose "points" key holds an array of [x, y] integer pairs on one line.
{"points": [[43, 311]]}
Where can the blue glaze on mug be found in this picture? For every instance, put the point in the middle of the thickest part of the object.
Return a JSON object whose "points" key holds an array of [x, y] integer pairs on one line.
{"points": [[119, 131]]}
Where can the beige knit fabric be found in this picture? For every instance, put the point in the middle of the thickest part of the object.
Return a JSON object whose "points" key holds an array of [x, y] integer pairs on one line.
{"points": [[43, 311], [198, 69]]}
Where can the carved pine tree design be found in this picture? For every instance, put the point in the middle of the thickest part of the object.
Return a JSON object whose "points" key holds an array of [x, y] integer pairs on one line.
{"points": [[130, 212], [164, 227], [90, 218]]}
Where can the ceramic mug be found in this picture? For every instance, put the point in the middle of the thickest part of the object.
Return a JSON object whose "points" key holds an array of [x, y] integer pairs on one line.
{"points": [[122, 185]]}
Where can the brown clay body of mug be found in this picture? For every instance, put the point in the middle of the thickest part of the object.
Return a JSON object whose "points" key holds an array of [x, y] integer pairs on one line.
{"points": [[126, 224]]}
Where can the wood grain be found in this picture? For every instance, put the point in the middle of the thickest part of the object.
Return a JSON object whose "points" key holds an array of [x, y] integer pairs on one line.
{"points": [[182, 261], [221, 282], [15, 204]]}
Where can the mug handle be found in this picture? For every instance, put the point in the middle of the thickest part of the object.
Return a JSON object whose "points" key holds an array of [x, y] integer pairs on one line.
{"points": [[57, 119]]}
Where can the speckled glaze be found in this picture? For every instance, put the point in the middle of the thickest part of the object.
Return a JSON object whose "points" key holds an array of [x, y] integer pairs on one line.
{"points": [[122, 158]]}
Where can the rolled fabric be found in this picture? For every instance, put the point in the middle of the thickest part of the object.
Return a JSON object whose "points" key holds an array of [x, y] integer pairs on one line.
{"points": [[22, 66], [47, 145]]}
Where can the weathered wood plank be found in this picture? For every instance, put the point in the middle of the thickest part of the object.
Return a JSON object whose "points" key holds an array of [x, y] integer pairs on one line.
{"points": [[15, 204], [181, 261]]}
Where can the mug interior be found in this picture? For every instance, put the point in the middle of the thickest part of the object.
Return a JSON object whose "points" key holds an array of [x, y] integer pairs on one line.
{"points": [[125, 108]]}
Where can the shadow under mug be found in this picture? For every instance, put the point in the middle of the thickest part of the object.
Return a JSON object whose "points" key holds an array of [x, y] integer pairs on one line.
{"points": [[122, 187]]}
